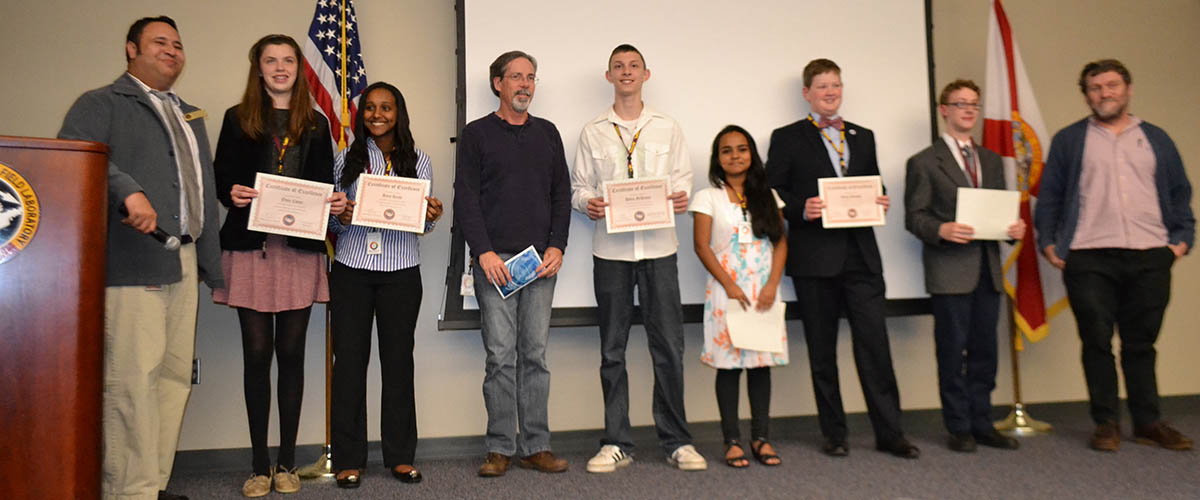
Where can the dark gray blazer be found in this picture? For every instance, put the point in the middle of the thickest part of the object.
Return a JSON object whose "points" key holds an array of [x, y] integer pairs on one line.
{"points": [[930, 195], [141, 158]]}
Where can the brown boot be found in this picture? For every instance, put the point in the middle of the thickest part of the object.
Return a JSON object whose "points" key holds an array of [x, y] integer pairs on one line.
{"points": [[544, 461], [1161, 434], [494, 465], [1106, 438]]}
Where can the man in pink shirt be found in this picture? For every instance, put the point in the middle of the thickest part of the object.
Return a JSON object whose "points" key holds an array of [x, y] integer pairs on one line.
{"points": [[1114, 213]]}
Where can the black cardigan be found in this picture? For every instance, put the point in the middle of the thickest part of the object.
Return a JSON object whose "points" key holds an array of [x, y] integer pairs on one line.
{"points": [[239, 158]]}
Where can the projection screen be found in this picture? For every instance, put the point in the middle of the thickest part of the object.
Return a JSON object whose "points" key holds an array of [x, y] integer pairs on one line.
{"points": [[712, 63]]}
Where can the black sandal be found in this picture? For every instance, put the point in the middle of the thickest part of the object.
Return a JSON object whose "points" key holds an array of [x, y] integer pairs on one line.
{"points": [[769, 459], [738, 462]]}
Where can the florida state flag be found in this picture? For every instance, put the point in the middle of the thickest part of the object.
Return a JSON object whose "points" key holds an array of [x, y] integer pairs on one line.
{"points": [[1012, 127]]}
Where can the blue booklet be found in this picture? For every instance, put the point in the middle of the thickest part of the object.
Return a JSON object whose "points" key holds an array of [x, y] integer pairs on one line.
{"points": [[523, 269]]}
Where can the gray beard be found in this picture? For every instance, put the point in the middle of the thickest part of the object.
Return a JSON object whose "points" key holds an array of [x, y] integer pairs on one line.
{"points": [[519, 106]]}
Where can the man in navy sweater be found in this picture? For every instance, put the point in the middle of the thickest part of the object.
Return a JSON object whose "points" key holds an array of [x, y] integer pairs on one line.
{"points": [[512, 190], [1114, 213]]}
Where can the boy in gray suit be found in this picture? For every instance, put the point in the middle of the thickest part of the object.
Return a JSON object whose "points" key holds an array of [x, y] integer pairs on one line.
{"points": [[962, 274]]}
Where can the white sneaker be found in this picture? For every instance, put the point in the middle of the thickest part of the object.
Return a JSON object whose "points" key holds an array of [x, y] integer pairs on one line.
{"points": [[608, 459], [687, 458]]}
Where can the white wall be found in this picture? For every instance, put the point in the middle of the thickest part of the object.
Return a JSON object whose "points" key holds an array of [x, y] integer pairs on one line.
{"points": [[56, 49]]}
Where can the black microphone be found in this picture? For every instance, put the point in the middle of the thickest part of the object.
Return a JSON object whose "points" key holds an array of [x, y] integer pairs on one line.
{"points": [[171, 243]]}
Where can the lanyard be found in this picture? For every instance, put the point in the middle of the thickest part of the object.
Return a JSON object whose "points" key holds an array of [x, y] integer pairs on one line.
{"points": [[282, 151], [387, 170], [742, 203], [840, 147], [628, 152]]}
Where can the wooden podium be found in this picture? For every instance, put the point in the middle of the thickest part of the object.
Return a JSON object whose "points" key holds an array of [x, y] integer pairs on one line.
{"points": [[51, 315]]}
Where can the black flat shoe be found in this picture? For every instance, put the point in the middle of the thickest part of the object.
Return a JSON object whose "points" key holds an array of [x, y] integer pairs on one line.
{"points": [[900, 448], [962, 443], [835, 449], [350, 481], [994, 439], [413, 476]]}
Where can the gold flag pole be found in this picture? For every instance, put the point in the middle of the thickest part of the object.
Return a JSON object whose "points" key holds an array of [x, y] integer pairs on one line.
{"points": [[323, 467], [1018, 422]]}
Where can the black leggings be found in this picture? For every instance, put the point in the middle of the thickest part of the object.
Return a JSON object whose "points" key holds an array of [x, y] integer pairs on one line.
{"points": [[260, 342], [758, 388]]}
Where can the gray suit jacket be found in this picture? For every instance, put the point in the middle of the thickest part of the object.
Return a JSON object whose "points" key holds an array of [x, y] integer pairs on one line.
{"points": [[930, 195], [141, 158]]}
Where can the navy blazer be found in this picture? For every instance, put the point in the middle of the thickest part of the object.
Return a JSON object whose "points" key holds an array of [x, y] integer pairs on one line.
{"points": [[796, 159]]}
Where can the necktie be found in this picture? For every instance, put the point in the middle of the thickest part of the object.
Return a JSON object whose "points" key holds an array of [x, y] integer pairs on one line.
{"points": [[187, 165], [969, 163], [835, 123]]}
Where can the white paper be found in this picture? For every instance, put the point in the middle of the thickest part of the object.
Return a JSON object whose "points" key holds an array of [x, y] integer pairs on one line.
{"points": [[988, 211], [753, 330], [850, 201]]}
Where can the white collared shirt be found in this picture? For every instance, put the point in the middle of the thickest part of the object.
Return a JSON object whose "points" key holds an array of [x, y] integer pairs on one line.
{"points": [[956, 150], [176, 111], [833, 134], [603, 156]]}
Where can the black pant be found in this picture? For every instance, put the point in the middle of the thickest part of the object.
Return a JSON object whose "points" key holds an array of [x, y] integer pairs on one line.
{"points": [[758, 390], [1128, 288], [964, 332], [860, 293], [393, 299]]}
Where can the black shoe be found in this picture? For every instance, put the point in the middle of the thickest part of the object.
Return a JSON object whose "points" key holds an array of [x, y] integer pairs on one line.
{"points": [[964, 443], [413, 476], [994, 439], [900, 447], [835, 448], [163, 495], [351, 480]]}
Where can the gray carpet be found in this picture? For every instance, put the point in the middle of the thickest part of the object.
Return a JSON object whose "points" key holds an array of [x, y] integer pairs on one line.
{"points": [[1058, 466]]}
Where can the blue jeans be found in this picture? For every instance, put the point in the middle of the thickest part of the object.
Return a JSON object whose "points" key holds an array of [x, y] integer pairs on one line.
{"points": [[657, 282], [516, 383]]}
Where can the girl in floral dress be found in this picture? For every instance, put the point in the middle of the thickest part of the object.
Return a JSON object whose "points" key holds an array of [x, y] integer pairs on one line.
{"points": [[744, 271]]}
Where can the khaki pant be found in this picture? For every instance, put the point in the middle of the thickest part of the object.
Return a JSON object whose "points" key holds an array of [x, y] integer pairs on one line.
{"points": [[150, 335]]}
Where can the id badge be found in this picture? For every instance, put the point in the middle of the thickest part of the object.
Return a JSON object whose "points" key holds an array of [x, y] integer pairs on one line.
{"points": [[374, 243], [745, 232]]}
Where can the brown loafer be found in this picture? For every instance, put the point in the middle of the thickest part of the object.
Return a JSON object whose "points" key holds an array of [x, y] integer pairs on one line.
{"points": [[494, 465], [1161, 434], [1107, 437], [544, 461]]}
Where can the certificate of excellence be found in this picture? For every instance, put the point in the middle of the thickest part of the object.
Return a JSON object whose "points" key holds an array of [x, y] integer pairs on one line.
{"points": [[638, 204], [850, 201], [290, 206], [388, 202]]}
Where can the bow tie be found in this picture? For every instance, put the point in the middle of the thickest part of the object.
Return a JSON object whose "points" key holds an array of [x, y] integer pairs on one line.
{"points": [[835, 123]]}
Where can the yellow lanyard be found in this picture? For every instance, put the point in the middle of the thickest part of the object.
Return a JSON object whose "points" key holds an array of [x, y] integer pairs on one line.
{"points": [[840, 147], [741, 202], [282, 151], [628, 152], [387, 170]]}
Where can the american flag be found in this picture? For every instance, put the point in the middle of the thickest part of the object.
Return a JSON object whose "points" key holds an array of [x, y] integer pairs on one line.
{"points": [[324, 60]]}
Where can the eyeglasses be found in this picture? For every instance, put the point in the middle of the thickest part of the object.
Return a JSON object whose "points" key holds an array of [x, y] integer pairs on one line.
{"points": [[963, 106], [518, 77]]}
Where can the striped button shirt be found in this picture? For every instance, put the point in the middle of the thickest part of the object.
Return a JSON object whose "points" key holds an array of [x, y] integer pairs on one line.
{"points": [[401, 249]]}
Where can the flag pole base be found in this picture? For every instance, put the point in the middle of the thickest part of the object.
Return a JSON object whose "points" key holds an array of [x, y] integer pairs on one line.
{"points": [[322, 468], [1020, 423]]}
